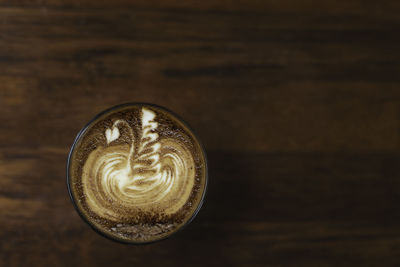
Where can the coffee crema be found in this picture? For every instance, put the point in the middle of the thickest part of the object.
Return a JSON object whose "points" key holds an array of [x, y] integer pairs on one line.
{"points": [[137, 173]]}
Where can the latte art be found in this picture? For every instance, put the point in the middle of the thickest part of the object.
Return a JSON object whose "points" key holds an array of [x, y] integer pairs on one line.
{"points": [[137, 174], [157, 176]]}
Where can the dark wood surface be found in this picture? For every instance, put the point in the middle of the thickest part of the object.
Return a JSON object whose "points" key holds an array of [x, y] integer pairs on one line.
{"points": [[296, 102]]}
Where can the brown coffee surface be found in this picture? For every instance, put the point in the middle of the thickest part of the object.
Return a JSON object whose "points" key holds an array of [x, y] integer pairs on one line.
{"points": [[137, 173]]}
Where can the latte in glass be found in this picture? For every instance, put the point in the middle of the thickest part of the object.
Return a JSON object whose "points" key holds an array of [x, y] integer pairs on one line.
{"points": [[137, 173]]}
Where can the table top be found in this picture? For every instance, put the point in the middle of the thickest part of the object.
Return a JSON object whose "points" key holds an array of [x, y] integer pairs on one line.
{"points": [[296, 102]]}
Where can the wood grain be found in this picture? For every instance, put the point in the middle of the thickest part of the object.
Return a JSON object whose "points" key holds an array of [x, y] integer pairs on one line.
{"points": [[296, 102]]}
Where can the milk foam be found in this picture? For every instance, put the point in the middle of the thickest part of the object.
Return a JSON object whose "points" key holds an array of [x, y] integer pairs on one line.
{"points": [[151, 174]]}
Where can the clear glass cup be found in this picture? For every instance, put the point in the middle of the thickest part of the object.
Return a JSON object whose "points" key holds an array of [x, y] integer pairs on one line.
{"points": [[88, 220]]}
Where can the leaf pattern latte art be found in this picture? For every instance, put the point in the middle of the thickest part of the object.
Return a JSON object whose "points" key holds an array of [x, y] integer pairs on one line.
{"points": [[151, 174]]}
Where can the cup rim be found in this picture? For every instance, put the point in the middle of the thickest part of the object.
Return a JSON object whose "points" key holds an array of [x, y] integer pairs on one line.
{"points": [[83, 131]]}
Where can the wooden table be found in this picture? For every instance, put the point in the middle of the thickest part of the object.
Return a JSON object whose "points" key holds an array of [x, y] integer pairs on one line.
{"points": [[296, 102]]}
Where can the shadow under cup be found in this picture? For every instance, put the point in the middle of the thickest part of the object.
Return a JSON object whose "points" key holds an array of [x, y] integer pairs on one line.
{"points": [[106, 227]]}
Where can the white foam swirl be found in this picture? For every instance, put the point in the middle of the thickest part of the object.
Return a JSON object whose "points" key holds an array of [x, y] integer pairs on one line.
{"points": [[158, 177]]}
